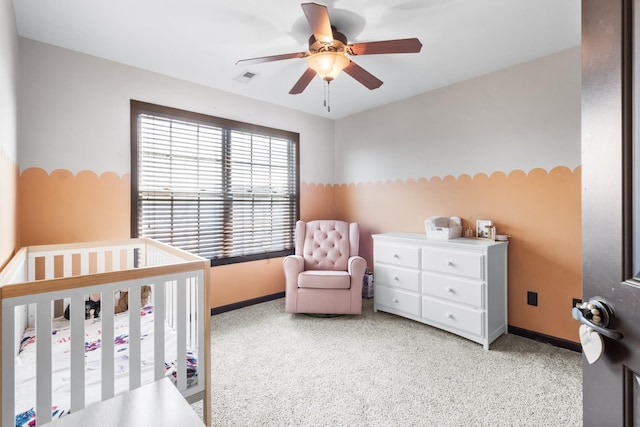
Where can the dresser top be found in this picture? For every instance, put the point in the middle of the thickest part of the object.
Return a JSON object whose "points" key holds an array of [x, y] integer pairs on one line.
{"points": [[421, 238]]}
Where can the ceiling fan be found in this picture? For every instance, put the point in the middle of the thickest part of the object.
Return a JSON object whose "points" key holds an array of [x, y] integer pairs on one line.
{"points": [[328, 50]]}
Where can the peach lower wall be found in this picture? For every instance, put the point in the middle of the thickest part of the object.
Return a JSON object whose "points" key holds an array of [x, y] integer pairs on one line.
{"points": [[8, 212], [317, 201], [541, 211], [62, 207]]}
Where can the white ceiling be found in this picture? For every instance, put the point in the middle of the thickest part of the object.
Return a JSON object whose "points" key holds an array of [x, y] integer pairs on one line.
{"points": [[200, 41]]}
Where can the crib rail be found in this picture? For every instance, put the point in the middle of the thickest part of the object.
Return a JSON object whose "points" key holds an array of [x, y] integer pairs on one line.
{"points": [[38, 277], [51, 261]]}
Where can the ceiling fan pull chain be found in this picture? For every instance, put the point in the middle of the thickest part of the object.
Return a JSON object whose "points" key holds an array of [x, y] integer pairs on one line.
{"points": [[328, 96], [324, 93]]}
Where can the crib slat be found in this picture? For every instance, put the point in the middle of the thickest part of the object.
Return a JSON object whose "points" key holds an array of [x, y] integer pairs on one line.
{"points": [[48, 267], [142, 259], [170, 304], [115, 259], [84, 262], [100, 260], [66, 265], [200, 310], [158, 294], [181, 325], [8, 367], [43, 365], [134, 337], [191, 311], [31, 268], [130, 257], [108, 335], [76, 316]]}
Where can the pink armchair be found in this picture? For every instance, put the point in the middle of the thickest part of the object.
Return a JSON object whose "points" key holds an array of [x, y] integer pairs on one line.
{"points": [[325, 274]]}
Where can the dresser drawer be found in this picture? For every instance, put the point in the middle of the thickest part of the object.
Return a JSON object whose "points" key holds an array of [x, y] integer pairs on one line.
{"points": [[465, 319], [397, 277], [467, 264], [405, 256], [453, 289], [397, 299]]}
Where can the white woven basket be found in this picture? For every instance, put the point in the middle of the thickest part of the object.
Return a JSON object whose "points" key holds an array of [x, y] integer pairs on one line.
{"points": [[443, 228]]}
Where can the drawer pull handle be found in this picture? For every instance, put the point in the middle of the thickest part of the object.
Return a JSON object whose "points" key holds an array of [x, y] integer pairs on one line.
{"points": [[450, 316], [450, 264], [396, 300], [395, 278], [396, 256], [451, 291]]}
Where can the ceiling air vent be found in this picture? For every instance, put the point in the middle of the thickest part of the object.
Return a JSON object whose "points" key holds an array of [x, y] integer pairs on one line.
{"points": [[246, 77]]}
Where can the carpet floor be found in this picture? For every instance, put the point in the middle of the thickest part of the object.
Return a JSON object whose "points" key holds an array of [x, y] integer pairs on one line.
{"points": [[271, 368]]}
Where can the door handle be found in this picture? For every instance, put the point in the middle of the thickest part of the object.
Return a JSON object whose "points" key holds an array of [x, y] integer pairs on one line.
{"points": [[597, 315]]}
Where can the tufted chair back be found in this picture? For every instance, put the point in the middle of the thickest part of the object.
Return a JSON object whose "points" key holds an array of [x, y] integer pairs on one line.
{"points": [[326, 244]]}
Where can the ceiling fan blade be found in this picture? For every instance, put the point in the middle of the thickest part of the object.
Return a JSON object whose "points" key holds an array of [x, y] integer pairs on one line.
{"points": [[363, 76], [272, 58], [303, 82], [318, 19], [388, 46]]}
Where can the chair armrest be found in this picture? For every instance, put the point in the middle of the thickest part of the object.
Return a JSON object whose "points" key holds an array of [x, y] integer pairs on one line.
{"points": [[292, 265], [356, 268], [356, 264]]}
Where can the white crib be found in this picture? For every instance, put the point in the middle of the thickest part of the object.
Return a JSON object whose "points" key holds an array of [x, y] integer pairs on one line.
{"points": [[40, 281]]}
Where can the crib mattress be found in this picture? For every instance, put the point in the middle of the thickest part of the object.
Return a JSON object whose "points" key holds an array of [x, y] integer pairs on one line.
{"points": [[26, 362]]}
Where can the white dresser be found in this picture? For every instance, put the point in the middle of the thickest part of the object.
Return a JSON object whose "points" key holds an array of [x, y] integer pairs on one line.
{"points": [[459, 285]]}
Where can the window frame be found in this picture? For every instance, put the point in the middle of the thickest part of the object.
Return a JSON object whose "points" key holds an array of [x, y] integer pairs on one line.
{"points": [[139, 107]]}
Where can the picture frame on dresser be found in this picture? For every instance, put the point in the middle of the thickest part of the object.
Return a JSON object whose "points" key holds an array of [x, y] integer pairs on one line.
{"points": [[481, 228]]}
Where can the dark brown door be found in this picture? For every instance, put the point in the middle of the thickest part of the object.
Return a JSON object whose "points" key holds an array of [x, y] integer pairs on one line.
{"points": [[611, 205]]}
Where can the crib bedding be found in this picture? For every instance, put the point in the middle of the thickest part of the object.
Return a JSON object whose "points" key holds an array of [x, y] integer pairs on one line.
{"points": [[25, 363]]}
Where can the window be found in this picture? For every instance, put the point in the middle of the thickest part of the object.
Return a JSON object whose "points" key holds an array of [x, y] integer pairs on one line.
{"points": [[224, 190]]}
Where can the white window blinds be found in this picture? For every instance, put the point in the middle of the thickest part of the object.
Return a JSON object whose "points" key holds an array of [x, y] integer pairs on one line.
{"points": [[224, 190]]}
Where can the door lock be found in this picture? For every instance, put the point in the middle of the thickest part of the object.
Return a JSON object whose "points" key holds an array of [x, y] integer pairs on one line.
{"points": [[597, 315]]}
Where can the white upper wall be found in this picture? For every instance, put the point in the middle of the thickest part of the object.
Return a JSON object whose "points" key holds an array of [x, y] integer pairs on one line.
{"points": [[74, 113], [8, 80], [522, 117]]}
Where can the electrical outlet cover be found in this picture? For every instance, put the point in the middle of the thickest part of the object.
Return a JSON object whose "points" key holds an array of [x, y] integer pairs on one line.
{"points": [[532, 298]]}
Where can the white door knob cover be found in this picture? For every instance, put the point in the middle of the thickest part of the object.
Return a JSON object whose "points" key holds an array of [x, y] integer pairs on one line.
{"points": [[592, 344]]}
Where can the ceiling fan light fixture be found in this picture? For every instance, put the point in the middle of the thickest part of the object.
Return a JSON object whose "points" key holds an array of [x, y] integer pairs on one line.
{"points": [[329, 52], [328, 64]]}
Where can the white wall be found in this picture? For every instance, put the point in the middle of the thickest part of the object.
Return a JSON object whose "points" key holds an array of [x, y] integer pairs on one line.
{"points": [[8, 131], [74, 115], [74, 111], [523, 117], [8, 80]]}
